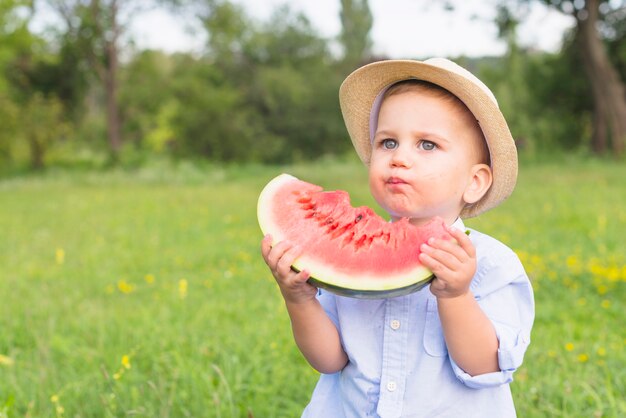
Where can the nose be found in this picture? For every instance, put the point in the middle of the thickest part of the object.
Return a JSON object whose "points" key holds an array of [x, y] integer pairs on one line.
{"points": [[400, 158]]}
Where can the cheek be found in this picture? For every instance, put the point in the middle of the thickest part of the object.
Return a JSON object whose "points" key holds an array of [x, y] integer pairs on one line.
{"points": [[375, 184], [372, 181]]}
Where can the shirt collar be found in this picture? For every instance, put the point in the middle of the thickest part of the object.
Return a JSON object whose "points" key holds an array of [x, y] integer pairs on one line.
{"points": [[458, 224]]}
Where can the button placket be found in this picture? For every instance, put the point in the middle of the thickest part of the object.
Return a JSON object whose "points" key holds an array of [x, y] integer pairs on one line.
{"points": [[393, 375]]}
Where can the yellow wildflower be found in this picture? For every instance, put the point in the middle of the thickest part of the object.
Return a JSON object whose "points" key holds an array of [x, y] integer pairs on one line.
{"points": [[569, 347], [149, 278], [126, 361], [125, 287], [572, 261], [613, 274], [601, 351], [59, 256], [596, 269], [57, 405], [182, 288], [582, 358], [605, 303], [6, 360]]}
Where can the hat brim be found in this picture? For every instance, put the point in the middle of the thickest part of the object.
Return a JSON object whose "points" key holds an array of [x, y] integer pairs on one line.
{"points": [[359, 90]]}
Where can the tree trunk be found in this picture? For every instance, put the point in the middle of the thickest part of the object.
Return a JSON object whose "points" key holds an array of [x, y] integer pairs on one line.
{"points": [[609, 121], [36, 152], [111, 87], [113, 116]]}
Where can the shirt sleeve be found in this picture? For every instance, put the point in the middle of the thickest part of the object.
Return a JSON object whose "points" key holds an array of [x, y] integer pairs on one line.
{"points": [[509, 304]]}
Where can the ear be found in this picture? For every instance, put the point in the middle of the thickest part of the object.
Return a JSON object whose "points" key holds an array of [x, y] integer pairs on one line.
{"points": [[479, 182]]}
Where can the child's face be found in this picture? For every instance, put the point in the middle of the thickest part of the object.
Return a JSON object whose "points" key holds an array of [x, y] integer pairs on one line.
{"points": [[425, 158]]}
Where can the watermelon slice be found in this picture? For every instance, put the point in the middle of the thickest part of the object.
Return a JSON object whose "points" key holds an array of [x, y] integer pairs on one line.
{"points": [[349, 251]]}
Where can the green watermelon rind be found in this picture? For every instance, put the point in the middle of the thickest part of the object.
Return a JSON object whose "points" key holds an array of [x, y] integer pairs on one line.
{"points": [[343, 285], [362, 286], [371, 294]]}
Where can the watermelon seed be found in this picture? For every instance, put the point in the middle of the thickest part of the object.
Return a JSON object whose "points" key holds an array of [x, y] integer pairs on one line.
{"points": [[358, 218]]}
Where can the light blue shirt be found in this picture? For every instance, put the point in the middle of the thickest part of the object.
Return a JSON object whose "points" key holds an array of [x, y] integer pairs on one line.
{"points": [[398, 361]]}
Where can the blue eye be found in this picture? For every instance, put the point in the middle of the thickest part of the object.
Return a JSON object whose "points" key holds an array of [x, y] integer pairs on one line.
{"points": [[427, 145], [389, 143]]}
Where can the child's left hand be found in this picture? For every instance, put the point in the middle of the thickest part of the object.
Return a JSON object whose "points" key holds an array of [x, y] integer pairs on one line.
{"points": [[452, 263]]}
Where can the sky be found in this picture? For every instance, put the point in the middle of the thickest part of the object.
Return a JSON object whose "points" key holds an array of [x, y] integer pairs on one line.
{"points": [[401, 29]]}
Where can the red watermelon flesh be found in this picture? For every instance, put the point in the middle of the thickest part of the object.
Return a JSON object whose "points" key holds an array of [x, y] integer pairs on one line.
{"points": [[350, 251]]}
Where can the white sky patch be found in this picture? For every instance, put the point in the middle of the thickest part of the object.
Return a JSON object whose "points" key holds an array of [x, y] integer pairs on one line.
{"points": [[402, 28]]}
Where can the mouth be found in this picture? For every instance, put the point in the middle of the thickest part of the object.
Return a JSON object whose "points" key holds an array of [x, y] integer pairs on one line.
{"points": [[395, 181]]}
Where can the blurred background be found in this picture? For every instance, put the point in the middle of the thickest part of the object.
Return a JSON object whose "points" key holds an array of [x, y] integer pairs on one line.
{"points": [[136, 135], [91, 83]]}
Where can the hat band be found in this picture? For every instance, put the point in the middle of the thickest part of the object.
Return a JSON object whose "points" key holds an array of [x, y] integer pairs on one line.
{"points": [[378, 101]]}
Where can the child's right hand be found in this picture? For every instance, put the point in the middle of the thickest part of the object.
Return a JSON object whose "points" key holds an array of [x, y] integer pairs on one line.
{"points": [[279, 258]]}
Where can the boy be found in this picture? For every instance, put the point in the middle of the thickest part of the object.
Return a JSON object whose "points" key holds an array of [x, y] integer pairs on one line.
{"points": [[435, 144]]}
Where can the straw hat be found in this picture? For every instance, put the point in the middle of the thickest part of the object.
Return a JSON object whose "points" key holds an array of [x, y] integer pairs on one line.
{"points": [[360, 96]]}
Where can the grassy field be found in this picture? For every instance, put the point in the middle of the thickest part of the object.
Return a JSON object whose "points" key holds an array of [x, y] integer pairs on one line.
{"points": [[143, 293]]}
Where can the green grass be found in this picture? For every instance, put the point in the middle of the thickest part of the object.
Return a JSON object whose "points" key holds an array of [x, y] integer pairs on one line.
{"points": [[142, 293]]}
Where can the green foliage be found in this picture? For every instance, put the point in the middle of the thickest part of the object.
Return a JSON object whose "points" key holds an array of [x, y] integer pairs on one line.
{"points": [[259, 91], [141, 293], [356, 24], [42, 124], [146, 97], [263, 93], [211, 119], [14, 37], [544, 97]]}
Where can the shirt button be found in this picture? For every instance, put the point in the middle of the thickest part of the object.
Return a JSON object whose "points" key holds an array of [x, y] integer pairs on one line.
{"points": [[391, 386], [395, 324]]}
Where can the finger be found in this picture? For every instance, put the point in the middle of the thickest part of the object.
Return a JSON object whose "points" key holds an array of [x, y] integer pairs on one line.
{"points": [[303, 276], [435, 266], [459, 246], [288, 258], [266, 245], [442, 253], [463, 241], [447, 251], [276, 253]]}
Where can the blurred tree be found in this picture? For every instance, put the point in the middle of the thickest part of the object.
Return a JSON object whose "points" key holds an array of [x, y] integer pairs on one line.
{"points": [[209, 117], [31, 113], [229, 30], [143, 106], [356, 24], [607, 87], [42, 121], [615, 36], [293, 87], [94, 27], [14, 37], [513, 92], [93, 32], [264, 92]]}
